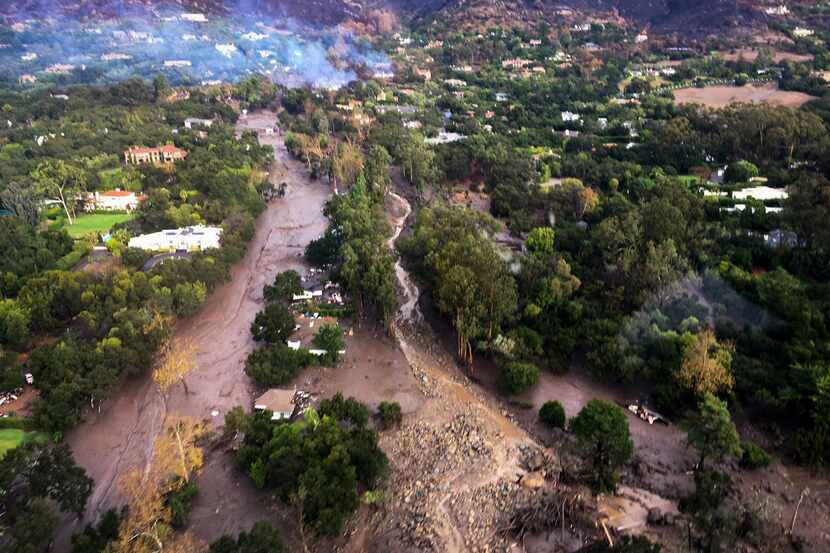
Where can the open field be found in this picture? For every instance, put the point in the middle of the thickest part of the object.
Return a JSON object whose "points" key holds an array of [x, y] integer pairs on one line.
{"points": [[95, 222], [10, 438], [751, 54], [721, 96]]}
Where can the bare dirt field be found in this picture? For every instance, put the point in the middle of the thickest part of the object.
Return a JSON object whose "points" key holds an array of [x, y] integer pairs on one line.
{"points": [[721, 96], [751, 54]]}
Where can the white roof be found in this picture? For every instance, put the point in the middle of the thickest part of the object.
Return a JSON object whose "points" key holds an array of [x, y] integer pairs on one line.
{"points": [[761, 193], [186, 238]]}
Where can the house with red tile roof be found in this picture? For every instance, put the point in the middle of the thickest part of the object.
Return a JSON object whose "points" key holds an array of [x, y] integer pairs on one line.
{"points": [[168, 153]]}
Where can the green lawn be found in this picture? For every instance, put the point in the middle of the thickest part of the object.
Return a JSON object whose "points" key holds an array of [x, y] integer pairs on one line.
{"points": [[689, 179], [95, 222], [10, 438]]}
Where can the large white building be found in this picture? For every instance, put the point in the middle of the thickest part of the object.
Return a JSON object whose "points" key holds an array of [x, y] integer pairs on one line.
{"points": [[189, 239], [762, 193], [113, 200]]}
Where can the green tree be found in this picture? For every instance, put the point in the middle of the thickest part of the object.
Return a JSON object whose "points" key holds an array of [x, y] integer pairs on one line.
{"points": [[188, 297], [62, 182], [236, 422], [389, 413], [277, 364], [713, 433], [418, 161], [262, 538], [40, 475], [285, 286], [552, 414], [602, 430], [14, 323], [542, 242], [345, 410], [317, 463], [330, 338], [516, 377], [273, 325], [376, 170], [706, 505], [21, 200], [740, 171], [95, 539], [161, 88]]}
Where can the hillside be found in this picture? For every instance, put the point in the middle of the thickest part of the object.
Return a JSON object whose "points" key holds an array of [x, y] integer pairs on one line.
{"points": [[694, 16]]}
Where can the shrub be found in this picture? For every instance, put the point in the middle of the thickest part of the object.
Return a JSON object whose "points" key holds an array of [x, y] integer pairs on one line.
{"points": [[20, 423], [390, 413], [754, 456], [552, 414], [263, 538], [180, 502], [135, 258], [516, 377], [740, 171]]}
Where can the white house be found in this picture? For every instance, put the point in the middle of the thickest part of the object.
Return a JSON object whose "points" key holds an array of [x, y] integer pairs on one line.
{"points": [[279, 402], [801, 32], [570, 117], [195, 238], [762, 193], [777, 10], [194, 17], [113, 200], [191, 122], [445, 137]]}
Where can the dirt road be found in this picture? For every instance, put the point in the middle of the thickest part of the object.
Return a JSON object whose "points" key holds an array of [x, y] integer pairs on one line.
{"points": [[121, 436]]}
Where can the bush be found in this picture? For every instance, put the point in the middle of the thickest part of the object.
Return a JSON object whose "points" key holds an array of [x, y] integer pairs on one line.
{"points": [[135, 258], [754, 456], [552, 414], [390, 414], [19, 423], [740, 171], [516, 377], [263, 538], [67, 262], [180, 502]]}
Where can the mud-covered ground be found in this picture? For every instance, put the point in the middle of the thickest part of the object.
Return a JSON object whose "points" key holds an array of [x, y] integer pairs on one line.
{"points": [[121, 436], [463, 457]]}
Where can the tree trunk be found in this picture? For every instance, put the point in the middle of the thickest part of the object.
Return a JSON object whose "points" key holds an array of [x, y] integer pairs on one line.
{"points": [[62, 200], [181, 454]]}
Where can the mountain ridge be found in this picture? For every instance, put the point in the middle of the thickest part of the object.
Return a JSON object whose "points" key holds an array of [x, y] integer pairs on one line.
{"points": [[669, 16]]}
